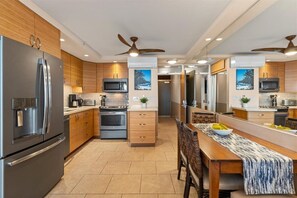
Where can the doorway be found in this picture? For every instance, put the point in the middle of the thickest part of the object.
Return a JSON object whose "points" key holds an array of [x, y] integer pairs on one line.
{"points": [[164, 99]]}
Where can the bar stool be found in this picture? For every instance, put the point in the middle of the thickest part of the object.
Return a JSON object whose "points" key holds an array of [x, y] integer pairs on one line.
{"points": [[203, 117]]}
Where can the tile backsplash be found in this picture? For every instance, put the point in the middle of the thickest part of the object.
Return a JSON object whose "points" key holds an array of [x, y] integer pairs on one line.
{"points": [[264, 99], [111, 98]]}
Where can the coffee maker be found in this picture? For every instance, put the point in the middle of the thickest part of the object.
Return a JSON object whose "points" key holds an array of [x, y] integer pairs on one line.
{"points": [[72, 101], [103, 98], [273, 100]]}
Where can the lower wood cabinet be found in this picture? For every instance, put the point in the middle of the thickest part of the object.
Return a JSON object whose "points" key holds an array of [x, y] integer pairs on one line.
{"points": [[96, 123], [292, 113], [142, 127], [259, 117], [81, 128]]}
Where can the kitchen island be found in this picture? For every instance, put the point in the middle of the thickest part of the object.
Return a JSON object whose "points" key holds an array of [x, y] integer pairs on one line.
{"points": [[142, 125], [255, 114]]}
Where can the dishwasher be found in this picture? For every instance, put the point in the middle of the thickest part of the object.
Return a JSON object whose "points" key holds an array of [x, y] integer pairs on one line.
{"points": [[66, 134]]}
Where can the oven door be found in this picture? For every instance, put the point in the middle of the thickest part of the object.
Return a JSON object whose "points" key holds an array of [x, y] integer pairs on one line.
{"points": [[113, 120]]}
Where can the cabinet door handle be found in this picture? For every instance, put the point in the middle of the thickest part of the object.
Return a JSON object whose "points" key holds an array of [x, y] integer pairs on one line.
{"points": [[32, 40], [38, 43]]}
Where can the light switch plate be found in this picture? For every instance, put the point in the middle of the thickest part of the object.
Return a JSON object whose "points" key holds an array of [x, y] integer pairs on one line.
{"points": [[135, 99]]}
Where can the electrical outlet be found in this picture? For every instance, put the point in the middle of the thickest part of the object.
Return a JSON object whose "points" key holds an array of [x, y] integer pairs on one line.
{"points": [[135, 99]]}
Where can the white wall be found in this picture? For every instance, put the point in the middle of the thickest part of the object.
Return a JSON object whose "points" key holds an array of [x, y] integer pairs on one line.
{"points": [[235, 95], [152, 94], [175, 88]]}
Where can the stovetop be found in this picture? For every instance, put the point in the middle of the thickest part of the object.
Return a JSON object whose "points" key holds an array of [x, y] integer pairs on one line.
{"points": [[118, 107], [278, 108]]}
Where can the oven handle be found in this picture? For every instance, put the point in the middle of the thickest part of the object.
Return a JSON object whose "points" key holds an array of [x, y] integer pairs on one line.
{"points": [[112, 113]]}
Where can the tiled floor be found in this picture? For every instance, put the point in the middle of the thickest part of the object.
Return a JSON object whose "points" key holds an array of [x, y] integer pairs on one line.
{"points": [[113, 169]]}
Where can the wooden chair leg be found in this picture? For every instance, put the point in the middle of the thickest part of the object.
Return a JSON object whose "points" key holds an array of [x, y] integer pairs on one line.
{"points": [[188, 184], [179, 168], [200, 193]]}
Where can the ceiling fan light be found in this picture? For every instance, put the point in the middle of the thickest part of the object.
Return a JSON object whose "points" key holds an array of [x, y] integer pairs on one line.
{"points": [[133, 54], [171, 62], [202, 61], [291, 53]]}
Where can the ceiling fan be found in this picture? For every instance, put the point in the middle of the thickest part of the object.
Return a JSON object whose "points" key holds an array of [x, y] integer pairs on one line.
{"points": [[134, 51], [290, 50]]}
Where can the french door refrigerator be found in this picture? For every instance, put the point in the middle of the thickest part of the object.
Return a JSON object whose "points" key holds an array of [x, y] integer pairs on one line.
{"points": [[31, 121]]}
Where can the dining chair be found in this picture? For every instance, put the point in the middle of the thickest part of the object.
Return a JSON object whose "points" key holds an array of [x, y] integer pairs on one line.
{"points": [[203, 117], [197, 174], [292, 123], [182, 159], [241, 194]]}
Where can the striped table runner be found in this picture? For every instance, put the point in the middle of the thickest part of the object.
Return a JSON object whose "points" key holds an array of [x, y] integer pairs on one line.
{"points": [[264, 171]]}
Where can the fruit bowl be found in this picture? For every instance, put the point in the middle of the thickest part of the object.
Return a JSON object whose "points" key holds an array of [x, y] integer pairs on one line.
{"points": [[221, 129]]}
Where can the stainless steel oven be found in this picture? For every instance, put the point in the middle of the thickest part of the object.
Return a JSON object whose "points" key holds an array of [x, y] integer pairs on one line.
{"points": [[113, 122]]}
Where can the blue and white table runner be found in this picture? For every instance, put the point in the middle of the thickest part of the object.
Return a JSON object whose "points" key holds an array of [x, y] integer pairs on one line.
{"points": [[264, 171]]}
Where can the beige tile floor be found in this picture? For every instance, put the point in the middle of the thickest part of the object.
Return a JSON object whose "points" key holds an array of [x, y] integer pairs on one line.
{"points": [[113, 169]]}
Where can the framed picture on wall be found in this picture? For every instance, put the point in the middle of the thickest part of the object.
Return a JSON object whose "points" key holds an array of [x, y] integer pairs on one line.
{"points": [[142, 79], [244, 79]]}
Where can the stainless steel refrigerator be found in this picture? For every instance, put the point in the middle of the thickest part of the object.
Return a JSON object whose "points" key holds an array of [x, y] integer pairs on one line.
{"points": [[31, 121]]}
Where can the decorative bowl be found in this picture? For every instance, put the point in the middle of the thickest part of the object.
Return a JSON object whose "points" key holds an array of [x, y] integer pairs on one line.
{"points": [[223, 132]]}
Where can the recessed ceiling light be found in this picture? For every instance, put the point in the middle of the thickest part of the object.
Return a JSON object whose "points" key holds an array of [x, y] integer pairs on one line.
{"points": [[167, 66], [202, 61], [115, 61], [86, 55], [171, 61], [219, 39], [208, 39], [62, 40]]}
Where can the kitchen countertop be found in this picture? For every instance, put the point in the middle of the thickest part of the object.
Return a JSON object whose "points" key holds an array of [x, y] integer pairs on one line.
{"points": [[69, 111], [138, 108], [292, 107], [255, 109]]}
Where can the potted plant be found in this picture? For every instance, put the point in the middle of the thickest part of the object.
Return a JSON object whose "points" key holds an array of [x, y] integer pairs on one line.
{"points": [[143, 101], [244, 100]]}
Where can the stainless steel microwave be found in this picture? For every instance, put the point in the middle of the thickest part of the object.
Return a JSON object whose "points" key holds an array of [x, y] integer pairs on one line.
{"points": [[115, 85], [268, 85]]}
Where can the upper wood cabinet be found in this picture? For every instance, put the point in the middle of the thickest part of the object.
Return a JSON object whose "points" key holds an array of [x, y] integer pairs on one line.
{"points": [[115, 70], [291, 76], [66, 61], [218, 67], [274, 70], [76, 71], [99, 77], [21, 24], [89, 77]]}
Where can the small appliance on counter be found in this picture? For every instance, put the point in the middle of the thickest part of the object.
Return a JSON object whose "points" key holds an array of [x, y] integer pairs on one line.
{"points": [[72, 100], [289, 102], [273, 100], [89, 102], [103, 98], [80, 102]]}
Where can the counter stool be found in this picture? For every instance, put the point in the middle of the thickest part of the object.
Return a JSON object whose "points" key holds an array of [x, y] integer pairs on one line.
{"points": [[203, 117]]}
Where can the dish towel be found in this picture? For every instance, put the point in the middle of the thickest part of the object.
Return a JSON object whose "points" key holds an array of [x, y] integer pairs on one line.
{"points": [[265, 171]]}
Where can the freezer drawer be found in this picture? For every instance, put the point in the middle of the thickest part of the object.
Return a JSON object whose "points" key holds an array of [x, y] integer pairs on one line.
{"points": [[34, 172]]}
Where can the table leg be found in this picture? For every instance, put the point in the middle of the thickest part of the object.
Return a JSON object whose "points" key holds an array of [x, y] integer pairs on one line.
{"points": [[214, 179]]}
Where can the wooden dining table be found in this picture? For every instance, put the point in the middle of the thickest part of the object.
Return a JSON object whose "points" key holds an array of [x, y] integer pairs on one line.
{"points": [[219, 159]]}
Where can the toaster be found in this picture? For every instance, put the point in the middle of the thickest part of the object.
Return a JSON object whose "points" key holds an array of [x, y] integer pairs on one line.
{"points": [[289, 102], [89, 102]]}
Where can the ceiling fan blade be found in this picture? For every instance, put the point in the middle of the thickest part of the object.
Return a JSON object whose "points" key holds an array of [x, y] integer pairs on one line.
{"points": [[123, 40], [271, 49], [123, 53], [150, 50]]}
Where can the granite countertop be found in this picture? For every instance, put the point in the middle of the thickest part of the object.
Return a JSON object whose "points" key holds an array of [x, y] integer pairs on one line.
{"points": [[255, 109], [69, 111], [292, 107], [139, 108]]}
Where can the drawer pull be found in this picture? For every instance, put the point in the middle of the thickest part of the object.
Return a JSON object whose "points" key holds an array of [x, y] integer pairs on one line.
{"points": [[142, 124], [142, 114]]}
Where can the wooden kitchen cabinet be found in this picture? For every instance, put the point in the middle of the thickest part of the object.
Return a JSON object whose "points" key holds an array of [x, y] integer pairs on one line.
{"points": [[66, 61], [142, 127], [274, 70], [259, 117], [292, 113], [21, 24], [115, 70], [291, 76], [96, 122], [218, 67], [81, 128], [99, 80], [89, 77], [76, 71]]}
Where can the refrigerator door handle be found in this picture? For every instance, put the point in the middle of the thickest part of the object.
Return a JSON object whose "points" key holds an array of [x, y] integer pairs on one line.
{"points": [[32, 155], [45, 92], [49, 97]]}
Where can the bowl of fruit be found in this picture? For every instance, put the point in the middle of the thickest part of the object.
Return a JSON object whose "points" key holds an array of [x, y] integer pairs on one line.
{"points": [[221, 129]]}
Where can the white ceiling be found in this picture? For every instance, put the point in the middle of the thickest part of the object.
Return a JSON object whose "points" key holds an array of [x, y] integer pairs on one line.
{"points": [[177, 26]]}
